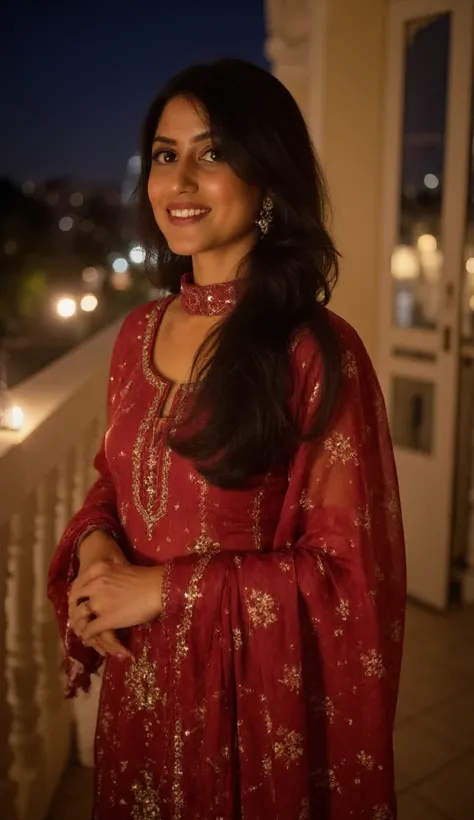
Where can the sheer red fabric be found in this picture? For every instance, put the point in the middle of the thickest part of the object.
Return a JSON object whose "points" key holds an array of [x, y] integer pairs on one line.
{"points": [[268, 688]]}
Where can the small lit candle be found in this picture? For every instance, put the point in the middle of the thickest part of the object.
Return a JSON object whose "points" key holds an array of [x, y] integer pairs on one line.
{"points": [[12, 418]]}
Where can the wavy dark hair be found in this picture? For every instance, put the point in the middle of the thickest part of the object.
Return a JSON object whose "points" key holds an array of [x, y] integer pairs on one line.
{"points": [[245, 378]]}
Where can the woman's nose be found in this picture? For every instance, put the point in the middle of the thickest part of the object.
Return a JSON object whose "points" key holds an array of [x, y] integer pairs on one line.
{"points": [[185, 177]]}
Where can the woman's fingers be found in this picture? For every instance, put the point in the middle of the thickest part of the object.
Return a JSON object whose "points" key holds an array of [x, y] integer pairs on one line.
{"points": [[112, 646]]}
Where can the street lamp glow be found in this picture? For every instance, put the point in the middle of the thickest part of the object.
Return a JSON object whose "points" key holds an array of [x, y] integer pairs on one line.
{"points": [[89, 303], [120, 265], [137, 255], [65, 223], [66, 307], [470, 265], [427, 243], [431, 181]]}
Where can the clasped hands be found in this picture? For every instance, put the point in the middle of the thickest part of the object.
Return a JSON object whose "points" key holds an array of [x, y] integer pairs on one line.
{"points": [[109, 594]]}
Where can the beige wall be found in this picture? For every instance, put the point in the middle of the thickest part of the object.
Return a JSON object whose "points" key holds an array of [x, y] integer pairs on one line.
{"points": [[351, 106]]}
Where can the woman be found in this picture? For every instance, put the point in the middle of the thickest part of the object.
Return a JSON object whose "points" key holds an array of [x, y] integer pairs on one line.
{"points": [[239, 562]]}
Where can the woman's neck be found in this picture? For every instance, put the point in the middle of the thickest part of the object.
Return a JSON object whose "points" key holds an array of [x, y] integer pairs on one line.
{"points": [[220, 265]]}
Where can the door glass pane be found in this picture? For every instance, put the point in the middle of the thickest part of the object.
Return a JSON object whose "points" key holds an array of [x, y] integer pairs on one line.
{"points": [[467, 315], [417, 260]]}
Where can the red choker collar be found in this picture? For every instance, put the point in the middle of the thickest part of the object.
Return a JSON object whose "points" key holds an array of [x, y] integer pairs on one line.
{"points": [[207, 300]]}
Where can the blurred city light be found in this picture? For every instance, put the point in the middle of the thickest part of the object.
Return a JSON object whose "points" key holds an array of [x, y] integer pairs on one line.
{"points": [[89, 303], [137, 255], [65, 223], [66, 307], [87, 225], [15, 417], [431, 181], [120, 265], [76, 199], [470, 265], [404, 263], [52, 198], [10, 247], [134, 164], [427, 243]]}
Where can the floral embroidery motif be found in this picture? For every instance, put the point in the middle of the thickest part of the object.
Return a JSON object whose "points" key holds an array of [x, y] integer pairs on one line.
{"points": [[343, 609], [261, 608], [141, 683], [373, 664], [237, 636], [306, 502], [146, 806], [292, 678], [340, 449], [204, 544], [290, 746], [366, 760]]}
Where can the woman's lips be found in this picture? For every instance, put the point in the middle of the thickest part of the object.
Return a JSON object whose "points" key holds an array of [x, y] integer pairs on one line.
{"points": [[187, 216]]}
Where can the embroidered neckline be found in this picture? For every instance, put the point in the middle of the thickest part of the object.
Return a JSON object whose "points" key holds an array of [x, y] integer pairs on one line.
{"points": [[208, 300]]}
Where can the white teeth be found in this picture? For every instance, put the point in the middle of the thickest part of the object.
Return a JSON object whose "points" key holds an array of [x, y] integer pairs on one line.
{"points": [[185, 212]]}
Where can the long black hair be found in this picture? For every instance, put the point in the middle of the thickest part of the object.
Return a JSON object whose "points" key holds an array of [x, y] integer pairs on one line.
{"points": [[244, 387]]}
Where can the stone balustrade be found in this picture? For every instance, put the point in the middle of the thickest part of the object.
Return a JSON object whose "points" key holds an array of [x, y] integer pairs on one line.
{"points": [[45, 470]]}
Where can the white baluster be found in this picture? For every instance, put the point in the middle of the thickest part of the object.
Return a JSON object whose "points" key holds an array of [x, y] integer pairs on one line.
{"points": [[22, 671], [7, 786], [55, 713]]}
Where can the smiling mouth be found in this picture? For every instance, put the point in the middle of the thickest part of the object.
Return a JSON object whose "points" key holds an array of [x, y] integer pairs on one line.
{"points": [[185, 216]]}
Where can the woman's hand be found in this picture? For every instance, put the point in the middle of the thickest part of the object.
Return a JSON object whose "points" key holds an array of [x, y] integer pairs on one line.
{"points": [[118, 595], [98, 546]]}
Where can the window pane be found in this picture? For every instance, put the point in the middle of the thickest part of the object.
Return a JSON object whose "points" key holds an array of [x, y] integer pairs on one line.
{"points": [[417, 260]]}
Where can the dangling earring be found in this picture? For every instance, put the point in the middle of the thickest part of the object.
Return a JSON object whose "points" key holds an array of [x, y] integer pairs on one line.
{"points": [[265, 218]]}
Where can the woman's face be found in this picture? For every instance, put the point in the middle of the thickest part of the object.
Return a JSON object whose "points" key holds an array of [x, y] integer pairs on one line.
{"points": [[199, 203]]}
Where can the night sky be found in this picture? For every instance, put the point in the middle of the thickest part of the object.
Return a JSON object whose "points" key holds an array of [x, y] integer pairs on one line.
{"points": [[76, 78]]}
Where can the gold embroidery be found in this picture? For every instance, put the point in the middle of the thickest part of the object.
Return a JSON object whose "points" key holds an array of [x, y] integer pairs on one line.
{"points": [[285, 564], [326, 707], [146, 806], [267, 765], [306, 502], [343, 609], [141, 682], [290, 746], [366, 760], [349, 364], [292, 677], [340, 449], [191, 596], [314, 393], [237, 635], [261, 608], [265, 712], [204, 544], [382, 813], [373, 664], [256, 512], [362, 518], [149, 510]]}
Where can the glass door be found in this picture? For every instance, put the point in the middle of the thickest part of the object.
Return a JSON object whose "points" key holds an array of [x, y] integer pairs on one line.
{"points": [[427, 151]]}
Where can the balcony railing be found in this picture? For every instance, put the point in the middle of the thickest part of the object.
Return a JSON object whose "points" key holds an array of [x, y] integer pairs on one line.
{"points": [[45, 470]]}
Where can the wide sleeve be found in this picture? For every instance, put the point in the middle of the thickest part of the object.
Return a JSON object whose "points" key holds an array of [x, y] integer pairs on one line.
{"points": [[310, 633], [98, 512]]}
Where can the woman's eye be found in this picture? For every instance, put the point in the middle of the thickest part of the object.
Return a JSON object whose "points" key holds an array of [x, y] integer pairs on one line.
{"points": [[163, 156], [213, 155]]}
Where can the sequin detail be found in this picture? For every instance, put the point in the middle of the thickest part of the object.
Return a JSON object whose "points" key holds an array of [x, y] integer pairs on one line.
{"points": [[261, 608], [141, 682], [208, 300], [146, 805]]}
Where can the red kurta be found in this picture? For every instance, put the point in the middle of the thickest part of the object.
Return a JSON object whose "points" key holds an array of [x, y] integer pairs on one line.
{"points": [[267, 690]]}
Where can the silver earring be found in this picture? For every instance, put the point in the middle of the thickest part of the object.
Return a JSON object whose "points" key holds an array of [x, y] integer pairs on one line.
{"points": [[265, 218]]}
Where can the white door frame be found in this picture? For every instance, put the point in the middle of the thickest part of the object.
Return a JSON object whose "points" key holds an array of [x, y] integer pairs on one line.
{"points": [[426, 481]]}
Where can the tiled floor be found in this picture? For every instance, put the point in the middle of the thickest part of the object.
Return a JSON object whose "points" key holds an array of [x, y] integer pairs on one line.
{"points": [[434, 736]]}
